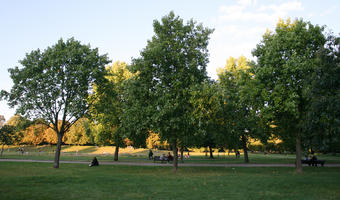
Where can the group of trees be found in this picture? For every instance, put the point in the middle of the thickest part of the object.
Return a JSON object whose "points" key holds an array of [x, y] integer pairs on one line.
{"points": [[36, 132], [21, 131], [289, 92]]}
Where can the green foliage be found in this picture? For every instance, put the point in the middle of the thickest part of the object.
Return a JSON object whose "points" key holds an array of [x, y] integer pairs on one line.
{"points": [[54, 83], [138, 107], [77, 133], [207, 114], [240, 111], [102, 135], [285, 60], [108, 107], [20, 124], [7, 135]]}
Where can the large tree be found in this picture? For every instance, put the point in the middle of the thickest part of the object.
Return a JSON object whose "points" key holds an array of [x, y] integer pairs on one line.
{"points": [[241, 120], [286, 58], [54, 85], [173, 60], [108, 105]]}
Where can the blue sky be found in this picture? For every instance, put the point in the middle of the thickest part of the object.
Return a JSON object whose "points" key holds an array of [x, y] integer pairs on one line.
{"points": [[121, 28]]}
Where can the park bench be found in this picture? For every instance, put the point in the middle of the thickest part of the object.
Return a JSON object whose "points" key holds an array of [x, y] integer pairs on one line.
{"points": [[158, 158], [313, 162]]}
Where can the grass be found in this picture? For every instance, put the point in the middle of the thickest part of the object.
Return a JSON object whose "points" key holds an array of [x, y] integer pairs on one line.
{"points": [[86, 153], [77, 181]]}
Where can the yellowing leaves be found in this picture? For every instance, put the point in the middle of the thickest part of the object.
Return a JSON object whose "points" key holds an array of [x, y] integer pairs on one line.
{"points": [[288, 24], [118, 72], [234, 65], [267, 33]]}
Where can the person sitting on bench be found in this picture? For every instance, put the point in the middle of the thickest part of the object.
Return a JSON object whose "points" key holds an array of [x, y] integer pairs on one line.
{"points": [[94, 162], [162, 157], [170, 157], [314, 158]]}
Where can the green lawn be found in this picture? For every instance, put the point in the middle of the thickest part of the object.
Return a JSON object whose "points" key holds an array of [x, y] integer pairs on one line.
{"points": [[78, 181]]}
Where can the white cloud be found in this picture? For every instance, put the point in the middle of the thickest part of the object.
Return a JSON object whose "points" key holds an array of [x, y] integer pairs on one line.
{"points": [[282, 8], [238, 32], [239, 27], [265, 13], [246, 2]]}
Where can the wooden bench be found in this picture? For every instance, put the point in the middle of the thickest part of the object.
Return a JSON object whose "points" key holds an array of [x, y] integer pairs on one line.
{"points": [[158, 158], [313, 162]]}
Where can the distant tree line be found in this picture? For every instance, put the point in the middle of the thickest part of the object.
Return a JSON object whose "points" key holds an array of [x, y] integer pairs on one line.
{"points": [[22, 131]]}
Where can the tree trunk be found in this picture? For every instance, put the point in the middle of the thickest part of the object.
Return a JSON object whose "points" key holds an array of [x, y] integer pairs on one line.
{"points": [[175, 150], [2, 149], [332, 149], [57, 151], [245, 150], [211, 153], [298, 153], [116, 153]]}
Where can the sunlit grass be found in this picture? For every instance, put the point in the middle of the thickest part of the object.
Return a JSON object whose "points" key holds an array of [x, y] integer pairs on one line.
{"points": [[76, 149], [76, 181]]}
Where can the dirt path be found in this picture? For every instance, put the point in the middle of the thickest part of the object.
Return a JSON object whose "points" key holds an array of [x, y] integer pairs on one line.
{"points": [[166, 164]]}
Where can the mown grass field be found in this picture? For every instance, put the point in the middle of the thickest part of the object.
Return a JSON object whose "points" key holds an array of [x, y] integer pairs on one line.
{"points": [[78, 181], [86, 153]]}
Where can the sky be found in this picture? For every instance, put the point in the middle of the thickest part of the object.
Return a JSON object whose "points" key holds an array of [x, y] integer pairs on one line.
{"points": [[121, 28]]}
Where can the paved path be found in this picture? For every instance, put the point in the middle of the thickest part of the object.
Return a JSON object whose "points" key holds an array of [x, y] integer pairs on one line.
{"points": [[166, 164]]}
